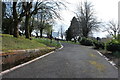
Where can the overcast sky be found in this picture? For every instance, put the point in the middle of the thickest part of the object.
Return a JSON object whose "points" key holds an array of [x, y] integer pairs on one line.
{"points": [[105, 10]]}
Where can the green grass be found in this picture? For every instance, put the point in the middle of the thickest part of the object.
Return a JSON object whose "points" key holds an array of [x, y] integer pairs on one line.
{"points": [[11, 43], [47, 42]]}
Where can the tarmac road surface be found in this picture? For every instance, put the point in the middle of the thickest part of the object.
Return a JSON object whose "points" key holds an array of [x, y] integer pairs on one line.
{"points": [[73, 61]]}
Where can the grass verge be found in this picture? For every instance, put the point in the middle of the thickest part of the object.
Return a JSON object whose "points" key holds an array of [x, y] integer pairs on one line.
{"points": [[48, 42], [11, 43]]}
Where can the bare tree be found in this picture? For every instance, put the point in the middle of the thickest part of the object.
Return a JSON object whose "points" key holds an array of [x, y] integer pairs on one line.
{"points": [[86, 18], [7, 18], [48, 28], [32, 21], [18, 14], [44, 6], [21, 9], [29, 8], [3, 9], [15, 20], [113, 29]]}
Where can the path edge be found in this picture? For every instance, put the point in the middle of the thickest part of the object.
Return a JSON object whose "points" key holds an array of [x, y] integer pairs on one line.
{"points": [[28, 62], [111, 62]]}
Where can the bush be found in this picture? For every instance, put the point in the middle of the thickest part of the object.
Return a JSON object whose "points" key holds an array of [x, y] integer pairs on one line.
{"points": [[113, 46], [86, 42], [99, 45]]}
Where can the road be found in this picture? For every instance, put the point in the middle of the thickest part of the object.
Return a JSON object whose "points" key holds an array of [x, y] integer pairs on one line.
{"points": [[73, 61]]}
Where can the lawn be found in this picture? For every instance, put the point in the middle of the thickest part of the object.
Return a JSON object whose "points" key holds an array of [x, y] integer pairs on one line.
{"points": [[48, 42], [11, 43]]}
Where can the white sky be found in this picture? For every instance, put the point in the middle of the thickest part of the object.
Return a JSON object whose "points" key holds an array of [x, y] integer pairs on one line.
{"points": [[106, 10]]}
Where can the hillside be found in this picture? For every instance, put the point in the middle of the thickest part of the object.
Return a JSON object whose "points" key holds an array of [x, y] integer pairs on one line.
{"points": [[11, 43]]}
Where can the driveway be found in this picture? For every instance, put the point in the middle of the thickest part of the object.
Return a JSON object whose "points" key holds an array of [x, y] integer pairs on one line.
{"points": [[73, 61]]}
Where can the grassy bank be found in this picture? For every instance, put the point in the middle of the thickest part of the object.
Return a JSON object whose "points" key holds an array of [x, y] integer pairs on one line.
{"points": [[11, 43], [12, 58], [48, 42]]}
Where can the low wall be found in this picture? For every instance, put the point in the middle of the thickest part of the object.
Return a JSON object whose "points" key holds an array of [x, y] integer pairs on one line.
{"points": [[20, 56]]}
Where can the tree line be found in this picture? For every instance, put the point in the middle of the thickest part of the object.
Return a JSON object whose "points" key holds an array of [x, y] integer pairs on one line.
{"points": [[29, 16], [85, 23]]}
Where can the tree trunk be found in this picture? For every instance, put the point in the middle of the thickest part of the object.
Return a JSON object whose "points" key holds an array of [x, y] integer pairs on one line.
{"points": [[41, 30], [11, 30], [16, 33], [115, 34], [30, 34], [51, 37], [15, 20], [85, 33], [75, 40], [37, 35], [27, 33]]}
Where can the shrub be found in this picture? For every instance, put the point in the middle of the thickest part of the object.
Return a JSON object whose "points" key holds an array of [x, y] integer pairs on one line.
{"points": [[113, 46], [86, 42], [99, 45]]}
